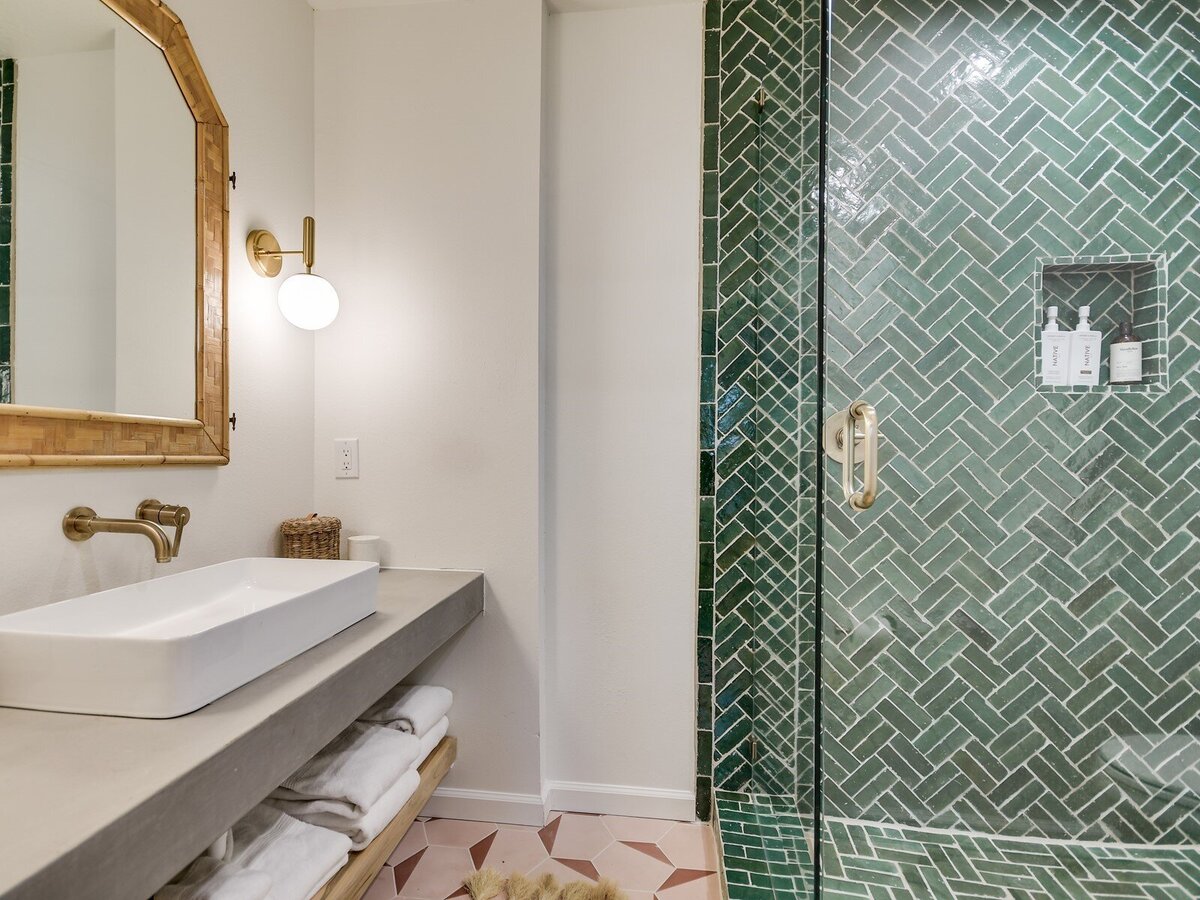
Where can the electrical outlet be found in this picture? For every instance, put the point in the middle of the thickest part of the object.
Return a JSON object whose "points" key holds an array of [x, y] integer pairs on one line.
{"points": [[345, 457]]}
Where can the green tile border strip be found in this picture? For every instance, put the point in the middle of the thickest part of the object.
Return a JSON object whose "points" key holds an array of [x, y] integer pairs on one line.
{"points": [[708, 422], [8, 87]]}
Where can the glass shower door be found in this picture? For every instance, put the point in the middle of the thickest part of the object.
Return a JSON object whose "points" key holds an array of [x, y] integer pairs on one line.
{"points": [[1010, 692]]}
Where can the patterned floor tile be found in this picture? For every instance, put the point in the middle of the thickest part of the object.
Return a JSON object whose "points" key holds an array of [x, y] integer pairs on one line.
{"points": [[635, 869], [703, 887], [414, 839], [690, 846], [515, 851], [624, 828], [383, 887], [438, 874], [652, 860], [581, 837], [457, 833]]}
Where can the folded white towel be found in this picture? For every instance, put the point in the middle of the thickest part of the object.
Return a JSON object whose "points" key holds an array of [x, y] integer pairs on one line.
{"points": [[350, 774], [213, 879], [299, 858], [363, 829], [411, 708], [328, 875], [381, 814], [222, 847], [432, 738]]}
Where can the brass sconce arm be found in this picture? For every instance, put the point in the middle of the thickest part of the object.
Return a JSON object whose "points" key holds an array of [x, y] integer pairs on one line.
{"points": [[265, 254]]}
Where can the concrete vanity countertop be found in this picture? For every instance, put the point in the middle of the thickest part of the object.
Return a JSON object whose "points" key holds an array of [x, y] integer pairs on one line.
{"points": [[111, 808]]}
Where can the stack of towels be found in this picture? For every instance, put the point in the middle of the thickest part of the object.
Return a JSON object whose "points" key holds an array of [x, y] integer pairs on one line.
{"points": [[358, 783], [266, 856], [340, 800]]}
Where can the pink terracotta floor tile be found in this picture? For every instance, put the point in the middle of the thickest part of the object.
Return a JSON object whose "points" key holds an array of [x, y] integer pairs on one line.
{"points": [[515, 850], [457, 833], [690, 845], [706, 888], [439, 873], [383, 887], [625, 828], [632, 869], [414, 839], [581, 837], [564, 874], [649, 859]]}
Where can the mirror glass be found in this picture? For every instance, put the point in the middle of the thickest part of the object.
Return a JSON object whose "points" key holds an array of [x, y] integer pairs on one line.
{"points": [[97, 215]]}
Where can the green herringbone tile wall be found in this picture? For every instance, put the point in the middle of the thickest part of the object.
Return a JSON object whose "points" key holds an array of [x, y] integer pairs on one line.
{"points": [[756, 647], [1022, 606]]}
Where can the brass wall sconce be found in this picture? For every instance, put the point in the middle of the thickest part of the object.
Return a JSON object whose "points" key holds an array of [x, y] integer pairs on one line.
{"points": [[306, 300]]}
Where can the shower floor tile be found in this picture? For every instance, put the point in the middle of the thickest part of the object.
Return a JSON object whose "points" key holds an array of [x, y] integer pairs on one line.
{"points": [[867, 861], [765, 846], [767, 856]]}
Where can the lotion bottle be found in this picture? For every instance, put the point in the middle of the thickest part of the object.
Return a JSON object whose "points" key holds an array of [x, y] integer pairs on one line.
{"points": [[1085, 352], [1125, 357], [1056, 349]]}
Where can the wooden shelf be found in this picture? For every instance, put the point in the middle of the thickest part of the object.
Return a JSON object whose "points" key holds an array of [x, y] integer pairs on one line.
{"points": [[354, 878]]}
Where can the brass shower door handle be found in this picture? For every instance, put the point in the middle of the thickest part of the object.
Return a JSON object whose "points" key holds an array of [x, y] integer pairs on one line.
{"points": [[844, 431]]}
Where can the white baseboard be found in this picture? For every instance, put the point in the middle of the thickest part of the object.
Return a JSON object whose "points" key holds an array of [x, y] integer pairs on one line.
{"points": [[620, 800], [561, 796], [486, 806]]}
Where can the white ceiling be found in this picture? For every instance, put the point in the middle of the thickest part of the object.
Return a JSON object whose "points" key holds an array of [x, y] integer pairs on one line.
{"points": [[558, 6]]}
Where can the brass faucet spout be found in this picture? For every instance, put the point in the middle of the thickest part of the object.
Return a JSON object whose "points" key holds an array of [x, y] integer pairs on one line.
{"points": [[82, 522]]}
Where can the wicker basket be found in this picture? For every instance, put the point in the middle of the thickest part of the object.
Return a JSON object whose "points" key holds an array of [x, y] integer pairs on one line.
{"points": [[317, 537]]}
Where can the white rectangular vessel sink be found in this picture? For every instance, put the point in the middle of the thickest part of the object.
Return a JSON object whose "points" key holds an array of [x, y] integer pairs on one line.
{"points": [[168, 646]]}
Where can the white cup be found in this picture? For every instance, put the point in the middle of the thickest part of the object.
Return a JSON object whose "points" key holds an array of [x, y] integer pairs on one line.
{"points": [[364, 547]]}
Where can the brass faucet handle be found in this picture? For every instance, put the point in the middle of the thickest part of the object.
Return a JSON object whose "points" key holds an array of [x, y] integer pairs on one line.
{"points": [[166, 514]]}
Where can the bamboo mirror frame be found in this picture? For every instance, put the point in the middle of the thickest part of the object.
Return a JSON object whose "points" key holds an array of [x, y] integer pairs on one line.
{"points": [[42, 436]]}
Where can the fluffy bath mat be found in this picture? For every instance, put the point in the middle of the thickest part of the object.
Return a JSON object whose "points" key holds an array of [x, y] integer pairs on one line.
{"points": [[487, 884]]}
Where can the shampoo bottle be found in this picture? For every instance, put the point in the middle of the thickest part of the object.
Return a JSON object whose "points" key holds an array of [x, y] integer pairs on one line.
{"points": [[1085, 352], [1056, 348], [1125, 357]]}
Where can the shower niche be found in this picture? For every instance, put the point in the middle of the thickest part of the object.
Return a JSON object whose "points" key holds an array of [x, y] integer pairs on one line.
{"points": [[1131, 288]]}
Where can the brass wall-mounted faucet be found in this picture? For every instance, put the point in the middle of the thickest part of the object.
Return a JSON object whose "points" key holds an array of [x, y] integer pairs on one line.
{"points": [[82, 522]]}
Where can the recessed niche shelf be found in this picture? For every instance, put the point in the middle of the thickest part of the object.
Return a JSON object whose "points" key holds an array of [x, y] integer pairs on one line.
{"points": [[1130, 287]]}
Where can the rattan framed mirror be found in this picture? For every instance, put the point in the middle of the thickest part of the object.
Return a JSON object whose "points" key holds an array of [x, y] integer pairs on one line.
{"points": [[45, 436]]}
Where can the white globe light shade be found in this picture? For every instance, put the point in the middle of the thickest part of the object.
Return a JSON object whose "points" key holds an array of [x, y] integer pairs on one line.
{"points": [[308, 301]]}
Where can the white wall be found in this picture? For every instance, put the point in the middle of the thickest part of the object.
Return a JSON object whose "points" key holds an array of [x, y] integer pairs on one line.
{"points": [[258, 58], [64, 202], [622, 324], [428, 156], [428, 146]]}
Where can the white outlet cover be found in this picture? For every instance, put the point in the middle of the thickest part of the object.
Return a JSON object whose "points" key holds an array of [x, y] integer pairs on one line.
{"points": [[345, 457]]}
